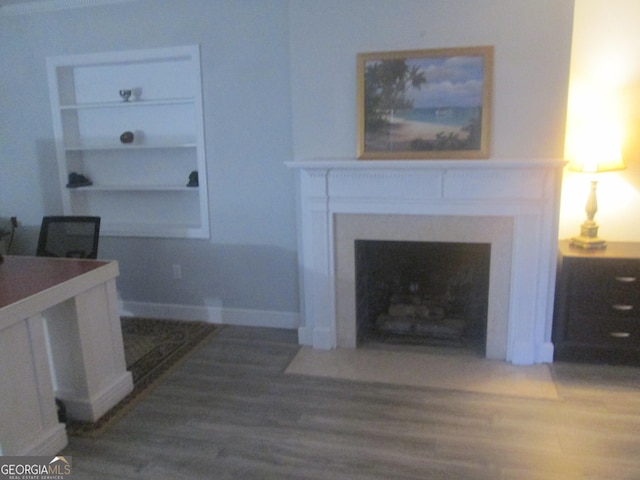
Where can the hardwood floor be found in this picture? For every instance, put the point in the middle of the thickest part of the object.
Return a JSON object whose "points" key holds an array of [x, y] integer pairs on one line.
{"points": [[230, 412]]}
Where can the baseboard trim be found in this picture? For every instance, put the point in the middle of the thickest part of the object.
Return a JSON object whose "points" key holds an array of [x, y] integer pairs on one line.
{"points": [[305, 335], [522, 353], [220, 315], [92, 409], [50, 442], [545, 353], [324, 338]]}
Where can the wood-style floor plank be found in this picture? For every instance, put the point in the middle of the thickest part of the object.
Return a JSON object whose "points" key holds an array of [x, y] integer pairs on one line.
{"points": [[230, 412]]}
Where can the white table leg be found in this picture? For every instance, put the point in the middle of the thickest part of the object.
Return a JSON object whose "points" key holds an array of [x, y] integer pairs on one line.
{"points": [[87, 351], [28, 419]]}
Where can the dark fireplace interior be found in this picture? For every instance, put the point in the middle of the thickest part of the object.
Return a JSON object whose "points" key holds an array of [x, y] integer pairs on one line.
{"points": [[422, 293]]}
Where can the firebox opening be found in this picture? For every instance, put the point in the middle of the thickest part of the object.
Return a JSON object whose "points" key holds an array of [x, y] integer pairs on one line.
{"points": [[422, 293]]}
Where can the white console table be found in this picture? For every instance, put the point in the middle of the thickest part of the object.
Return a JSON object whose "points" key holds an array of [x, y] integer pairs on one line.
{"points": [[73, 303]]}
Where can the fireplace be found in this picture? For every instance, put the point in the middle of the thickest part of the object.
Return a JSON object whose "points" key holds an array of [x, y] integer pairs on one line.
{"points": [[422, 293], [497, 232], [512, 206]]}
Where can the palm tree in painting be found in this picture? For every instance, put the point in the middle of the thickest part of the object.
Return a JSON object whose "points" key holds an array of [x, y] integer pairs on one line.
{"points": [[386, 85]]}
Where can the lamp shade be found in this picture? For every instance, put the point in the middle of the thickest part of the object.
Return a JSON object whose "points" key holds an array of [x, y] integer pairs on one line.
{"points": [[594, 157]]}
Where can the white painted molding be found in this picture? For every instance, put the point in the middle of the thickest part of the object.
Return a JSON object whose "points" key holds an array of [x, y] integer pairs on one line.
{"points": [[93, 408], [54, 440], [419, 193], [219, 315], [42, 6]]}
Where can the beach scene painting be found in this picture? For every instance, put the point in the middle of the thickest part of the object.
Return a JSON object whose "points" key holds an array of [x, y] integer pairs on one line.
{"points": [[425, 104]]}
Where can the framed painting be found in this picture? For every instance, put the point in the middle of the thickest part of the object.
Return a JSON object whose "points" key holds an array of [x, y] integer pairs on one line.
{"points": [[425, 104]]}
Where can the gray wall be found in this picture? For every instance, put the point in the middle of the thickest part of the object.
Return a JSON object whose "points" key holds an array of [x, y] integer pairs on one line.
{"points": [[250, 261], [278, 84], [532, 49]]}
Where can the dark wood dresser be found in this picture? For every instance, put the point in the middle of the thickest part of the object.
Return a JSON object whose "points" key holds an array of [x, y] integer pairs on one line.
{"points": [[597, 304]]}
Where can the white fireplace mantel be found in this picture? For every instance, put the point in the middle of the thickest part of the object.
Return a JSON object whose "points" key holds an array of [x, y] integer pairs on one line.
{"points": [[477, 198]]}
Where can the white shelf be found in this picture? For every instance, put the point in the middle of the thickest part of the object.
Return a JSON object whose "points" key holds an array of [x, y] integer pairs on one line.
{"points": [[128, 146], [133, 188], [139, 188], [129, 104]]}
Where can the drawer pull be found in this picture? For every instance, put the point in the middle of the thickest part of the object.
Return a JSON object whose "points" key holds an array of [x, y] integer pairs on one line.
{"points": [[622, 308], [620, 334], [626, 279]]}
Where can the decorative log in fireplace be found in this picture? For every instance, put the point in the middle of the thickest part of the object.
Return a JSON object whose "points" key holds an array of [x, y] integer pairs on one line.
{"points": [[421, 317]]}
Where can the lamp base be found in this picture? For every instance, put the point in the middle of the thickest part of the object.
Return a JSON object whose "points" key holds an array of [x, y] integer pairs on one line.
{"points": [[588, 243], [588, 238]]}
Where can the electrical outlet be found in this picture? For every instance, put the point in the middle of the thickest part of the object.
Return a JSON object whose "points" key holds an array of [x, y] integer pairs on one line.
{"points": [[177, 271]]}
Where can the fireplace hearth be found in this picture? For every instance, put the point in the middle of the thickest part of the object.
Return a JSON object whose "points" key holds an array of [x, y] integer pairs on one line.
{"points": [[512, 205]]}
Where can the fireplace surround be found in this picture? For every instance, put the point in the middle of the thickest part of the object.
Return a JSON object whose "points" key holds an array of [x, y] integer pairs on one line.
{"points": [[511, 204]]}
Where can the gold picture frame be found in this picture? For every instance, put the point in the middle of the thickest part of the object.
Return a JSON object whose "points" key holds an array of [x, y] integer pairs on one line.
{"points": [[425, 104]]}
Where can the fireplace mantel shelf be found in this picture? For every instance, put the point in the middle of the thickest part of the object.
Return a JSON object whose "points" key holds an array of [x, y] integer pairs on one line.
{"points": [[437, 200], [348, 163]]}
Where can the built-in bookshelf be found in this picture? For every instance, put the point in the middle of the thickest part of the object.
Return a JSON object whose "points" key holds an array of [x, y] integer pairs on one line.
{"points": [[131, 124]]}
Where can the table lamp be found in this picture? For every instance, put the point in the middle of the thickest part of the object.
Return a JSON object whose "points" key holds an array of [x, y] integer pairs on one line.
{"points": [[592, 159]]}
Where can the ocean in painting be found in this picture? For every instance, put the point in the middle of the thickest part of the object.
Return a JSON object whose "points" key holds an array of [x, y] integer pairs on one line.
{"points": [[450, 116]]}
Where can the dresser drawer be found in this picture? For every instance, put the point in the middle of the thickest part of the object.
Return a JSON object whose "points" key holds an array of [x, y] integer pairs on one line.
{"points": [[615, 281], [603, 330], [603, 306]]}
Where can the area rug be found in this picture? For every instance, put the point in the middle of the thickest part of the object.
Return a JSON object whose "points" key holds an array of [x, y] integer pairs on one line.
{"points": [[454, 372], [152, 348]]}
